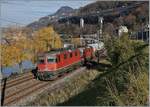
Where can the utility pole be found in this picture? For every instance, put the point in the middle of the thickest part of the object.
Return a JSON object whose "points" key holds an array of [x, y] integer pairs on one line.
{"points": [[100, 35], [142, 32], [81, 27], [100, 21], [68, 31]]}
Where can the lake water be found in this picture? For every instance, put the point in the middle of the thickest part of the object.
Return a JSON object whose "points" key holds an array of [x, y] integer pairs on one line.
{"points": [[12, 69]]}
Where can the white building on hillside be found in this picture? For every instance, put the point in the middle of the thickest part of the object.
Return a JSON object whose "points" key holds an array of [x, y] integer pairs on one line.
{"points": [[122, 29]]}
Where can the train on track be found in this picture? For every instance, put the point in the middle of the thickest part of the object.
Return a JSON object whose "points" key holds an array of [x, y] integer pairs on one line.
{"points": [[56, 63]]}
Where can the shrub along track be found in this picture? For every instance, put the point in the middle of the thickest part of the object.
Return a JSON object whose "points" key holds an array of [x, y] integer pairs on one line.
{"points": [[26, 91]]}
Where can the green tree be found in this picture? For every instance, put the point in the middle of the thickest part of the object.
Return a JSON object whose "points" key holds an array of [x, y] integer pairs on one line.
{"points": [[127, 79]]}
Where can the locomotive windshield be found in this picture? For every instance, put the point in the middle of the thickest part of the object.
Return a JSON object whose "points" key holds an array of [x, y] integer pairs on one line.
{"points": [[51, 59], [41, 60]]}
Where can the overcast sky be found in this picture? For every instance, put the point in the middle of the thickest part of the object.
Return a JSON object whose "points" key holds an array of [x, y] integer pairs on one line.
{"points": [[24, 12]]}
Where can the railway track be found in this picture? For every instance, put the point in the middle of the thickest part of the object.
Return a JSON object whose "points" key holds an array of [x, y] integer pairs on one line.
{"points": [[26, 91], [17, 81], [19, 76]]}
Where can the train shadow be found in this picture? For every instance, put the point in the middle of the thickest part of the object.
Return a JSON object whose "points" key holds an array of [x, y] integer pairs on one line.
{"points": [[98, 66]]}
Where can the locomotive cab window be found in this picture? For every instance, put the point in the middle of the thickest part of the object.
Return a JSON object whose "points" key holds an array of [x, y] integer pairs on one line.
{"points": [[51, 59], [41, 61], [65, 56], [58, 59], [70, 55]]}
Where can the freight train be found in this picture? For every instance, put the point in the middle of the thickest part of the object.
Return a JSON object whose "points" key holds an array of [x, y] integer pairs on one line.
{"points": [[53, 64]]}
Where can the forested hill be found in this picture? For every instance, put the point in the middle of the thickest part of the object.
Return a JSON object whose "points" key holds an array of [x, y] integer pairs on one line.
{"points": [[104, 5], [131, 17]]}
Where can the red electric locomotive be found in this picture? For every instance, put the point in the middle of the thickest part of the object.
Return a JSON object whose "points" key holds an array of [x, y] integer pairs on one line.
{"points": [[54, 64]]}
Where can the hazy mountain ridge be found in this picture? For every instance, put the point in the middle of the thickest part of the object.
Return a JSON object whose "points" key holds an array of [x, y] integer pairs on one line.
{"points": [[60, 13]]}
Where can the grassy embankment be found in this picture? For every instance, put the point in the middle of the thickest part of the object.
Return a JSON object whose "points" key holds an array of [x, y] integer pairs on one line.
{"points": [[71, 88], [125, 83]]}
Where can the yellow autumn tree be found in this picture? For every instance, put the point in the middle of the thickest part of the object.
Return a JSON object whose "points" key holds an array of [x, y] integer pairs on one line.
{"points": [[44, 40], [44, 37], [21, 47], [49, 37], [57, 42], [7, 56], [76, 41], [38, 46], [23, 51], [18, 49]]}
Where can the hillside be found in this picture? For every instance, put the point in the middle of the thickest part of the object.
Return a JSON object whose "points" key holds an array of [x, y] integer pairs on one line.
{"points": [[132, 15], [44, 21], [115, 13], [64, 11], [104, 5]]}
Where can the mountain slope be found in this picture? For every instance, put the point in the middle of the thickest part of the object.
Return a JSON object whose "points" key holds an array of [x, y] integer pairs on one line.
{"points": [[64, 10], [115, 15], [44, 21]]}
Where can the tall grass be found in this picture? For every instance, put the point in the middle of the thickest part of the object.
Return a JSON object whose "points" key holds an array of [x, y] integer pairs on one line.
{"points": [[134, 93]]}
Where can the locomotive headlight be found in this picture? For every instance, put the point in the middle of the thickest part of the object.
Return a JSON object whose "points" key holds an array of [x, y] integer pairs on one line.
{"points": [[46, 69]]}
